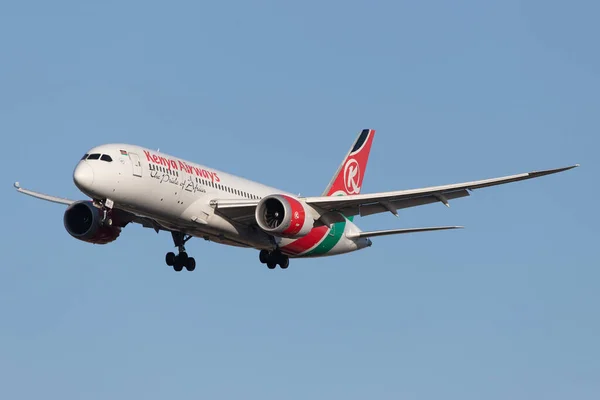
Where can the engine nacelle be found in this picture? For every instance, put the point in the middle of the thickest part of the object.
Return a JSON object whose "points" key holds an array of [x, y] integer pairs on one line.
{"points": [[284, 216], [83, 221]]}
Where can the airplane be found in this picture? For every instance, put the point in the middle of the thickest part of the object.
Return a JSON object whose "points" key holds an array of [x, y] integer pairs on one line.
{"points": [[127, 184]]}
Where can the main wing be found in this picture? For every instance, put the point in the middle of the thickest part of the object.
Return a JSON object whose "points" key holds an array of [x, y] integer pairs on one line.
{"points": [[43, 196], [367, 204], [242, 211]]}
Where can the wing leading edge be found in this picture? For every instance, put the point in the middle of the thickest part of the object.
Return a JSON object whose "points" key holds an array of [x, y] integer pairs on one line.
{"points": [[43, 196]]}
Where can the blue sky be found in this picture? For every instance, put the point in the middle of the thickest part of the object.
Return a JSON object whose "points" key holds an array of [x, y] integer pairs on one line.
{"points": [[274, 91]]}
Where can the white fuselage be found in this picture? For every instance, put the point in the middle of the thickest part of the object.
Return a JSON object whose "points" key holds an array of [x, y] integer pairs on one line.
{"points": [[177, 194]]}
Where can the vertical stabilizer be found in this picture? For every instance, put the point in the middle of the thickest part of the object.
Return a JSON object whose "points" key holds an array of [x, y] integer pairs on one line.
{"points": [[348, 178]]}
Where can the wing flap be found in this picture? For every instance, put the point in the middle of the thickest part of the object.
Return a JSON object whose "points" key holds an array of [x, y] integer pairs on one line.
{"points": [[369, 209], [238, 210]]}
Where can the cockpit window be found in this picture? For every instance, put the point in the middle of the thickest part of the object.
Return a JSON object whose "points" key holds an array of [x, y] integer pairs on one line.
{"points": [[84, 156], [94, 156], [106, 157]]}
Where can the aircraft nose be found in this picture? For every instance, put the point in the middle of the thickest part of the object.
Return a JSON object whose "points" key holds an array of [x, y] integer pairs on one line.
{"points": [[83, 176]]}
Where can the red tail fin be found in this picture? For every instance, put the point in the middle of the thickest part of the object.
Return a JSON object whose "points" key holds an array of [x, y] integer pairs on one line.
{"points": [[348, 178]]}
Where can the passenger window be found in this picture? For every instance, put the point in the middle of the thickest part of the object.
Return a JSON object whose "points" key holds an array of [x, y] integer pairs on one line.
{"points": [[106, 157], [94, 156]]}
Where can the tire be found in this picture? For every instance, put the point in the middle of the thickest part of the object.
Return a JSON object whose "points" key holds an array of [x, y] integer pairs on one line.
{"points": [[170, 259], [190, 264], [183, 256], [178, 266], [271, 265], [263, 256], [284, 263]]}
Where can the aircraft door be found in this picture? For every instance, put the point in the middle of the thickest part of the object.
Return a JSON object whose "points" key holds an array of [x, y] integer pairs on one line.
{"points": [[137, 164]]}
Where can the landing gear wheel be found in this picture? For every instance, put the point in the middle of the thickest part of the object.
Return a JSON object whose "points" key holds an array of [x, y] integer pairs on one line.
{"points": [[190, 264], [284, 262], [178, 266], [263, 256], [182, 259], [272, 258], [170, 259]]}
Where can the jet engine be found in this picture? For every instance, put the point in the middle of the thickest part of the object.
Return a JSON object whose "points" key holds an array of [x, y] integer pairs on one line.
{"points": [[83, 221], [284, 216]]}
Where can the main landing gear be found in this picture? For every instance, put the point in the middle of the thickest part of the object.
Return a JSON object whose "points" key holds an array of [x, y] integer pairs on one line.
{"points": [[272, 258], [181, 259]]}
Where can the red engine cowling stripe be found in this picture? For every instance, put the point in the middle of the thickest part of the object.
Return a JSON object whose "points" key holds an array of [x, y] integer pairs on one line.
{"points": [[297, 218]]}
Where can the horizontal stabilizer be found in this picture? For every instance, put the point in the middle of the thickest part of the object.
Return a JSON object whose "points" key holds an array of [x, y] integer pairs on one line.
{"points": [[399, 231]]}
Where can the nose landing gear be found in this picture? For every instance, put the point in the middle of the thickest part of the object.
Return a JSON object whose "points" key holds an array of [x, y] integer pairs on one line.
{"points": [[272, 258], [181, 259]]}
